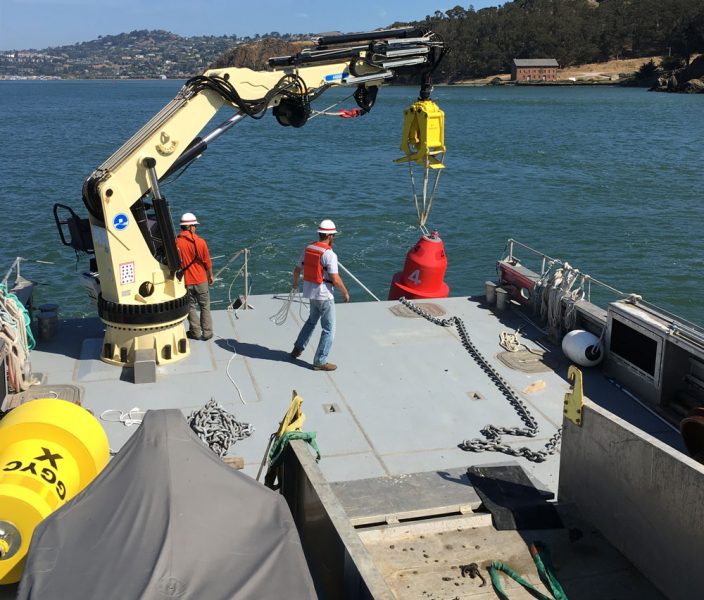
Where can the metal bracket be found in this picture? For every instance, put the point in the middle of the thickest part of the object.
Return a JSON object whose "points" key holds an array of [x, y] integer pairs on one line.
{"points": [[574, 399]]}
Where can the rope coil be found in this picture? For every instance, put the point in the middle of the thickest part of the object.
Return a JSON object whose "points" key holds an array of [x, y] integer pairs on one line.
{"points": [[279, 318], [15, 331], [128, 418], [555, 296]]}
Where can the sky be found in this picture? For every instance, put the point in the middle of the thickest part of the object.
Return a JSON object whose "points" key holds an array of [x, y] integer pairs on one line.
{"points": [[26, 24]]}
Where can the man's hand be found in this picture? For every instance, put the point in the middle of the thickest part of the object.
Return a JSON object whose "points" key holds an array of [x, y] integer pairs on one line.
{"points": [[210, 279], [337, 282], [296, 275]]}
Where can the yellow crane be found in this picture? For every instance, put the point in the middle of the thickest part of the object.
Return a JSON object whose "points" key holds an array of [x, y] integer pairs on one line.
{"points": [[141, 297]]}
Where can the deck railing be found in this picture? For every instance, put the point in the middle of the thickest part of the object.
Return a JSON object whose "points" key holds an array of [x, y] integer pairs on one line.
{"points": [[547, 262], [244, 270], [15, 267], [680, 326]]}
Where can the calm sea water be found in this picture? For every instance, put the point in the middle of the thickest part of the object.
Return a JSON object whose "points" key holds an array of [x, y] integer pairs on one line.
{"points": [[608, 179]]}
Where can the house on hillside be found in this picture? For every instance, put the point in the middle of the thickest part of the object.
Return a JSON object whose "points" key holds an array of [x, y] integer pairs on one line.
{"points": [[534, 69]]}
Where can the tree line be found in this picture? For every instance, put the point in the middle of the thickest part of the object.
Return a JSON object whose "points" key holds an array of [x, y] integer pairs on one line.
{"points": [[484, 42]]}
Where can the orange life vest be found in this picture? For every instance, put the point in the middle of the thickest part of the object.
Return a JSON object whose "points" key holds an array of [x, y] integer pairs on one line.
{"points": [[312, 267]]}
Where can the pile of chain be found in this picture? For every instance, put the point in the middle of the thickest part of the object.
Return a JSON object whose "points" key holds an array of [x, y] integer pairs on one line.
{"points": [[493, 433], [218, 428]]}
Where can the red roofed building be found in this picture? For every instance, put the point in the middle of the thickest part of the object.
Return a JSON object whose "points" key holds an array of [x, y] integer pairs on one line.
{"points": [[534, 69]]}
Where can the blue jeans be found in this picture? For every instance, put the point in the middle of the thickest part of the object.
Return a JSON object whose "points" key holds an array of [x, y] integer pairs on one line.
{"points": [[323, 310]]}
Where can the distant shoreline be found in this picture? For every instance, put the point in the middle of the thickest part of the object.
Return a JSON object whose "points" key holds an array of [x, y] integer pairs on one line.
{"points": [[559, 83]]}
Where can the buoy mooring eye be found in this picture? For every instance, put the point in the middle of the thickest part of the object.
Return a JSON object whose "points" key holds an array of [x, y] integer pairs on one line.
{"points": [[10, 540]]}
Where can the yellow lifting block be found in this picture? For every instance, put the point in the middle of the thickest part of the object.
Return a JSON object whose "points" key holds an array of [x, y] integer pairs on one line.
{"points": [[423, 138], [574, 399], [294, 418], [50, 449]]}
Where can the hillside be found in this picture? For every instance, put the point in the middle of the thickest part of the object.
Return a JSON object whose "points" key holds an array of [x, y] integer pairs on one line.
{"points": [[135, 55], [482, 43], [255, 55]]}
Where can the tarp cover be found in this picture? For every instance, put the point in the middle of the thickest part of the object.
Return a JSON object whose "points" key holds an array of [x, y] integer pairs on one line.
{"points": [[168, 519]]}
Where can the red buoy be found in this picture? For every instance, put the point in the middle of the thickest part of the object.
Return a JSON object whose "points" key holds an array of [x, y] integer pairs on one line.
{"points": [[423, 273]]}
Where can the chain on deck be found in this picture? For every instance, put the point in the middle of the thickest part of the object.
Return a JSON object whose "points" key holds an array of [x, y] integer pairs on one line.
{"points": [[492, 433]]}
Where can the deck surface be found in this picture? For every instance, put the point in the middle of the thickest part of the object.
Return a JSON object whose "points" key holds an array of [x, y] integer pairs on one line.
{"points": [[406, 392]]}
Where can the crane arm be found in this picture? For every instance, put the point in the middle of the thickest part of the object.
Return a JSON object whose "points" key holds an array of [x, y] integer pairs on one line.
{"points": [[130, 221]]}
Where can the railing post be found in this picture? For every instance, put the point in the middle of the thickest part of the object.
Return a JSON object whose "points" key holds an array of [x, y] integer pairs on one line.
{"points": [[246, 278]]}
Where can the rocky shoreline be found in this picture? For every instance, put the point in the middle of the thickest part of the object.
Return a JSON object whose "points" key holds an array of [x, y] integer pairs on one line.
{"points": [[688, 80]]}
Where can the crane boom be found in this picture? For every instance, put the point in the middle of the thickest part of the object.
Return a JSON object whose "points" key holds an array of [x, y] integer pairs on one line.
{"points": [[142, 300]]}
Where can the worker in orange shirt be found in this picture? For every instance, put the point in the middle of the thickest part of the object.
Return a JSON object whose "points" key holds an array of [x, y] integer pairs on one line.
{"points": [[198, 276]]}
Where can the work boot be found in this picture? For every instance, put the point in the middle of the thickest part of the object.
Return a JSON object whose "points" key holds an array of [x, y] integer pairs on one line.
{"points": [[207, 336], [296, 352], [325, 367], [192, 336]]}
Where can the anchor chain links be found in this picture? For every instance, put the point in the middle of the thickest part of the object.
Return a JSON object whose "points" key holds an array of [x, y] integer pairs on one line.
{"points": [[218, 428], [492, 433]]}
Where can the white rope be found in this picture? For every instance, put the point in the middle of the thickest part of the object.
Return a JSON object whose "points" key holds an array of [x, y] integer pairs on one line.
{"points": [[13, 331], [509, 342], [128, 418], [325, 113], [231, 344], [556, 294], [427, 200], [279, 318]]}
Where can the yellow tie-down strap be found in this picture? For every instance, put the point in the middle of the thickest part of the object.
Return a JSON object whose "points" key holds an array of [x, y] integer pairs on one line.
{"points": [[294, 418], [423, 138]]}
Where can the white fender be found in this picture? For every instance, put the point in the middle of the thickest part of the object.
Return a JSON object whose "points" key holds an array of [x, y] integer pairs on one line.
{"points": [[583, 348]]}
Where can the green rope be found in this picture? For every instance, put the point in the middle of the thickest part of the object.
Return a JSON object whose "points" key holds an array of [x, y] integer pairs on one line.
{"points": [[278, 447], [545, 570], [497, 566], [276, 455]]}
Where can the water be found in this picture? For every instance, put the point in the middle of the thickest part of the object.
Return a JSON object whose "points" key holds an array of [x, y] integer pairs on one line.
{"points": [[608, 179]]}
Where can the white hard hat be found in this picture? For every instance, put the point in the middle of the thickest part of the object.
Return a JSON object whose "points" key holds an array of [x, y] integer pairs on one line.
{"points": [[326, 227], [188, 219]]}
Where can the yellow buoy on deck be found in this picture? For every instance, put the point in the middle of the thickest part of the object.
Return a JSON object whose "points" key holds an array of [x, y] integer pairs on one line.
{"points": [[50, 449]]}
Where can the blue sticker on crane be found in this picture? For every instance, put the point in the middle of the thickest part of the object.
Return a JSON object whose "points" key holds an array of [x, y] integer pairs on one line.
{"points": [[120, 221], [334, 77]]}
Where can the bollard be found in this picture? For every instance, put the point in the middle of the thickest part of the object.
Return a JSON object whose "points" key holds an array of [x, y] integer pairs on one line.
{"points": [[501, 299], [490, 292], [48, 321], [48, 324]]}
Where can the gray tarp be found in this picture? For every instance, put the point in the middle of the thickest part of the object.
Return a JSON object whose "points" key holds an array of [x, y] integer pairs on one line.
{"points": [[168, 519]]}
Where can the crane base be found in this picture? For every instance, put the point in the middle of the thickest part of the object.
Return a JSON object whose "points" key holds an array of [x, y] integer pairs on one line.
{"points": [[121, 342]]}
